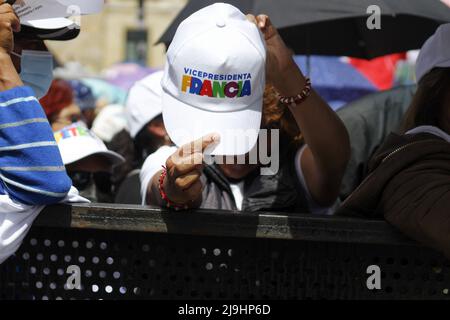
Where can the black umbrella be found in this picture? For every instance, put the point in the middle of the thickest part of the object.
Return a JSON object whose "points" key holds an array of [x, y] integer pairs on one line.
{"points": [[339, 27]]}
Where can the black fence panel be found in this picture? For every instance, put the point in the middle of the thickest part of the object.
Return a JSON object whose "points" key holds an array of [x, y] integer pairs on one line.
{"points": [[121, 264]]}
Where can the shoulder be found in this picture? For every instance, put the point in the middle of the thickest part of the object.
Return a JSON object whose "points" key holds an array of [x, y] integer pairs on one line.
{"points": [[406, 168], [412, 146], [17, 92]]}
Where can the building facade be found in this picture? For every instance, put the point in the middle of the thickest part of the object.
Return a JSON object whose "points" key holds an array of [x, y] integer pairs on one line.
{"points": [[118, 34]]}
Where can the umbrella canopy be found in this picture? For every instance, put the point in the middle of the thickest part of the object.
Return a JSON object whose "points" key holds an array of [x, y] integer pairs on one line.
{"points": [[339, 27], [125, 75], [335, 79]]}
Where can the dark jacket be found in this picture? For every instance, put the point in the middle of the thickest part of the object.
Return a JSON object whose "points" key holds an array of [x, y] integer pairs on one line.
{"points": [[409, 185], [280, 192]]}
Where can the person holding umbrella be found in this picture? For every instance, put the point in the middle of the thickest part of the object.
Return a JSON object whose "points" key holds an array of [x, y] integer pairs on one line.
{"points": [[214, 82], [32, 174]]}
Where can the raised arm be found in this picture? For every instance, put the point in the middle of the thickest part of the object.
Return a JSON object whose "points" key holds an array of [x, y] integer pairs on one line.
{"points": [[328, 146], [31, 168], [9, 23]]}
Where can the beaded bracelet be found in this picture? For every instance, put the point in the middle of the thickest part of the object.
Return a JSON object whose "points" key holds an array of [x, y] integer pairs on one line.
{"points": [[298, 99], [169, 203]]}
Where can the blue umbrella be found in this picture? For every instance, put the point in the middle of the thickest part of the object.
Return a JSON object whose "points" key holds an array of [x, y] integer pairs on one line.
{"points": [[337, 81]]}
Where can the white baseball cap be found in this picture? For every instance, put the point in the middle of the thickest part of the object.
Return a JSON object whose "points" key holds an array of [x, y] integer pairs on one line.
{"points": [[109, 122], [48, 20], [144, 102], [214, 80], [435, 53], [53, 14], [77, 142]]}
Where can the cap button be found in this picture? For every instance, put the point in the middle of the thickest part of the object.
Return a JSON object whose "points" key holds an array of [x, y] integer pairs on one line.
{"points": [[221, 23]]}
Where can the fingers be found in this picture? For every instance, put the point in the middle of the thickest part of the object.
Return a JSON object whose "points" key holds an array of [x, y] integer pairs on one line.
{"points": [[184, 182], [184, 169], [264, 24], [194, 190], [15, 23], [5, 8], [190, 156], [263, 21], [186, 164], [199, 145], [9, 17], [186, 187], [252, 19]]}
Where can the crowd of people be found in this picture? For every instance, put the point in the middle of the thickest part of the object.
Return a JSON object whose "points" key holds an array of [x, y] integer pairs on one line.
{"points": [[193, 134]]}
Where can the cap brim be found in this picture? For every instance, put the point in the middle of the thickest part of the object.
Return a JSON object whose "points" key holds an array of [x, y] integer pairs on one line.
{"points": [[112, 156], [238, 130], [49, 24], [67, 32]]}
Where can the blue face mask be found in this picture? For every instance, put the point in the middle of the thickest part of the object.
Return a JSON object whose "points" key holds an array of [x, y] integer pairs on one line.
{"points": [[37, 70]]}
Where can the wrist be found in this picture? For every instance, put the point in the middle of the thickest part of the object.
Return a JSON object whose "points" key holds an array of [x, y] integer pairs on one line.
{"points": [[9, 78], [166, 198], [290, 81]]}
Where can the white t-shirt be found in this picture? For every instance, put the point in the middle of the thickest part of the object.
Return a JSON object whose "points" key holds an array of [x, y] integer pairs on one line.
{"points": [[16, 220], [156, 160]]}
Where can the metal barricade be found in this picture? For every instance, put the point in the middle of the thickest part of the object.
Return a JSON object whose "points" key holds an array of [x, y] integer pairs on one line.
{"points": [[131, 252]]}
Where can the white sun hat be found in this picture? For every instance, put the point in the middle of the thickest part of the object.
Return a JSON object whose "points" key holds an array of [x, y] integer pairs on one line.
{"points": [[76, 142], [214, 80], [144, 102], [435, 53]]}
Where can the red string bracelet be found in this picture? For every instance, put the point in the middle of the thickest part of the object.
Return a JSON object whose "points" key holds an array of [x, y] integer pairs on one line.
{"points": [[298, 99], [169, 203]]}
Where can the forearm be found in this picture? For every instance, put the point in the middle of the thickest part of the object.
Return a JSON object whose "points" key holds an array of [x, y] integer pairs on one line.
{"points": [[9, 78], [323, 131]]}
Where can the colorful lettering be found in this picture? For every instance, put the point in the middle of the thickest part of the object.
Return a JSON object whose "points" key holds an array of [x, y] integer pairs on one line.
{"points": [[231, 89], [206, 89], [219, 89], [186, 83], [216, 85], [196, 86]]}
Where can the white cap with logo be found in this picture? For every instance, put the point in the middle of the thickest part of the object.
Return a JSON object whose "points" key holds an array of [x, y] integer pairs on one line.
{"points": [[144, 102], [435, 53], [214, 80], [76, 142]]}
